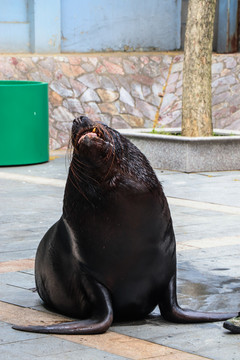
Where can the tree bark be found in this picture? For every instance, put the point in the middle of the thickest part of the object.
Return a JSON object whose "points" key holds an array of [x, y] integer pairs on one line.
{"points": [[197, 75]]}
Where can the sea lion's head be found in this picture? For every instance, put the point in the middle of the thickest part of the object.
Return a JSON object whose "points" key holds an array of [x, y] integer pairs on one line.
{"points": [[103, 159], [91, 140], [96, 149]]}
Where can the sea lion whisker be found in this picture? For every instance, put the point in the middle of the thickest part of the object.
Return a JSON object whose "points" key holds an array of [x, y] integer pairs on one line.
{"points": [[80, 163], [79, 180], [85, 177], [78, 175], [112, 155], [78, 188]]}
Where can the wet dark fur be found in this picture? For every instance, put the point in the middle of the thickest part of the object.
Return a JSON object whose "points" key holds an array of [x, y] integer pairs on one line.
{"points": [[112, 254]]}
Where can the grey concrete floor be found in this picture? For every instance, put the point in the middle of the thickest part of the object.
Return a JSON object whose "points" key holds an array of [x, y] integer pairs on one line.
{"points": [[205, 209]]}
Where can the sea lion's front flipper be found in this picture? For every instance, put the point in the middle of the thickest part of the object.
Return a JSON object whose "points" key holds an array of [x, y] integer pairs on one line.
{"points": [[171, 311], [99, 322]]}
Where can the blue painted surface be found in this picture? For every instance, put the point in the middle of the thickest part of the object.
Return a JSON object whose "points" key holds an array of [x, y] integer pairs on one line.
{"points": [[100, 25], [227, 26], [14, 38], [46, 26], [13, 10], [120, 25], [14, 26]]}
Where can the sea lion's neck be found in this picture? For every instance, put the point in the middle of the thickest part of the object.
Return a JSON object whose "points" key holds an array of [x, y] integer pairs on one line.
{"points": [[81, 192]]}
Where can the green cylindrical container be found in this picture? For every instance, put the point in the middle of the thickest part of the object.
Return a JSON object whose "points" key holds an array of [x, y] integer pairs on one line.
{"points": [[23, 122]]}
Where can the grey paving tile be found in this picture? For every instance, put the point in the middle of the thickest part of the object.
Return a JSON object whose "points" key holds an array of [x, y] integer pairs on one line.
{"points": [[84, 354], [15, 255], [40, 347], [10, 336], [18, 279], [218, 229], [160, 173], [208, 340], [56, 169], [215, 189], [30, 272], [27, 241], [18, 296], [26, 213], [23, 345], [224, 174], [193, 223]]}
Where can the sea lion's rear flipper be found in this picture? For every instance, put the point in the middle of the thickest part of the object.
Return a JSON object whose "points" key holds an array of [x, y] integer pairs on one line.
{"points": [[99, 322], [171, 311]]}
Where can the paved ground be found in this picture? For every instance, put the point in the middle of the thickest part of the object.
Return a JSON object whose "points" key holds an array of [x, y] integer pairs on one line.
{"points": [[205, 210]]}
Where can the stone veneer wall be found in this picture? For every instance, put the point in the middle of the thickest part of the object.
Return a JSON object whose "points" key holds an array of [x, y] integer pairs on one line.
{"points": [[122, 89]]}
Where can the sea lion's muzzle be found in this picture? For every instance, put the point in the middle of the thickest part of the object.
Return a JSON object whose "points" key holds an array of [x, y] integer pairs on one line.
{"points": [[89, 134]]}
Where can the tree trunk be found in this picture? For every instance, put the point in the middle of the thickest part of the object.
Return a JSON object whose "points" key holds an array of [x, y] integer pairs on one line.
{"points": [[197, 75]]}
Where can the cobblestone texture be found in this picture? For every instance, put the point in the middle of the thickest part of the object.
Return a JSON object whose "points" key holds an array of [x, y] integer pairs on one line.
{"points": [[122, 89]]}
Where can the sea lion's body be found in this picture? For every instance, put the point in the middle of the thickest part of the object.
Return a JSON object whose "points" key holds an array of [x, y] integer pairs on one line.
{"points": [[117, 245], [112, 254]]}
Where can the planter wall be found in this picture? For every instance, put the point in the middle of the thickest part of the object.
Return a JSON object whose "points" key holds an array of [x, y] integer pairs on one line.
{"points": [[169, 152]]}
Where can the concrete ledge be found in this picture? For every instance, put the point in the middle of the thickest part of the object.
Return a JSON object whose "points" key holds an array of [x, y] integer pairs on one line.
{"points": [[180, 153]]}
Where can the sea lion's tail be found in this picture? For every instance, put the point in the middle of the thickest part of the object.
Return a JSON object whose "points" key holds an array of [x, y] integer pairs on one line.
{"points": [[100, 321], [171, 311]]}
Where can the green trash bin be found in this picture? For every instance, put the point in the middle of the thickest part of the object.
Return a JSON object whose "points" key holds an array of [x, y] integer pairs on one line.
{"points": [[23, 122]]}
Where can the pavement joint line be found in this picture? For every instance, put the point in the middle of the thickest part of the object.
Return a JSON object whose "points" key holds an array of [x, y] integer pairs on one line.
{"points": [[171, 200], [33, 179], [111, 341], [195, 204], [206, 243]]}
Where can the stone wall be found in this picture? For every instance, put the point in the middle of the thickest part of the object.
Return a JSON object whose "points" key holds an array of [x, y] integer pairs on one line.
{"points": [[121, 89]]}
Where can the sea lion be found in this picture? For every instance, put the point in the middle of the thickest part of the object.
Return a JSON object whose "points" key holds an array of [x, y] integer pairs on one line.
{"points": [[112, 254]]}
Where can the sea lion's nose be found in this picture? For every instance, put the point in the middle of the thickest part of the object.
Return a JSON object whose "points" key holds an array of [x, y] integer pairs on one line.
{"points": [[85, 121]]}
